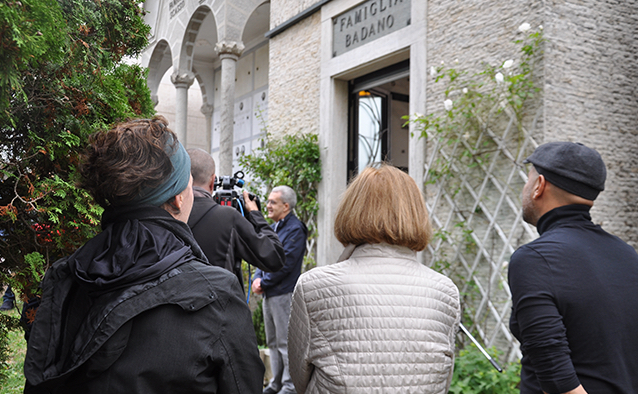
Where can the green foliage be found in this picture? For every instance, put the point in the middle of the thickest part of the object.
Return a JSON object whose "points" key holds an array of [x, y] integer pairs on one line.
{"points": [[30, 33], [61, 79], [258, 324], [26, 282], [8, 324], [474, 374], [293, 160]]}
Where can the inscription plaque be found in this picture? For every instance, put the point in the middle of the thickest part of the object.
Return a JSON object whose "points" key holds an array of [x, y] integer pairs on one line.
{"points": [[175, 6], [367, 22]]}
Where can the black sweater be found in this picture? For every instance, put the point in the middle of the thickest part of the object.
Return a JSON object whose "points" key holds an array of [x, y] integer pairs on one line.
{"points": [[575, 307]]}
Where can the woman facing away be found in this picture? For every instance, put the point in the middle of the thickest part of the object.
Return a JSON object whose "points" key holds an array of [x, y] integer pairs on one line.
{"points": [[378, 321], [138, 309]]}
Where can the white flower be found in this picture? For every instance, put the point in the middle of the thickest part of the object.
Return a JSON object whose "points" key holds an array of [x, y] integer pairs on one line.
{"points": [[540, 27], [448, 104], [508, 63], [442, 63], [524, 27], [432, 71], [456, 61], [466, 136], [464, 90], [499, 77]]}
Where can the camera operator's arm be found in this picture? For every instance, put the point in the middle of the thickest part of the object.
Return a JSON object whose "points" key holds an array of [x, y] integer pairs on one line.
{"points": [[257, 243], [295, 247]]}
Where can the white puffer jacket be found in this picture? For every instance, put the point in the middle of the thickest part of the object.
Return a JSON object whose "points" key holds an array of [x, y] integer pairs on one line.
{"points": [[378, 322]]}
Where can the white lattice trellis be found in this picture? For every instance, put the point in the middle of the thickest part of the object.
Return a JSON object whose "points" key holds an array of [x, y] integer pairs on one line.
{"points": [[473, 187]]}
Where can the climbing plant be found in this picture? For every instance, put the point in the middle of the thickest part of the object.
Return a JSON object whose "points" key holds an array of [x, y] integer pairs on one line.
{"points": [[477, 136]]}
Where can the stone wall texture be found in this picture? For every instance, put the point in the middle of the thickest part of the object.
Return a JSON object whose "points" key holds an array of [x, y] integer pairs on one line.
{"points": [[294, 72], [589, 78], [282, 10], [591, 96]]}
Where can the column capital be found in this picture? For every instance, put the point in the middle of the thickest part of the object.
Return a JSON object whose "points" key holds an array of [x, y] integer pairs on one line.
{"points": [[183, 79], [207, 109], [229, 49]]}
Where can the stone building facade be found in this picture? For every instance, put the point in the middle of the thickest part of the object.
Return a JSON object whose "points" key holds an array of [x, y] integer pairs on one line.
{"points": [[349, 70]]}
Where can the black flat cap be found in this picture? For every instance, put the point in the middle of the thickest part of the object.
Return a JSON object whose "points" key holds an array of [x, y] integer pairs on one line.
{"points": [[572, 167]]}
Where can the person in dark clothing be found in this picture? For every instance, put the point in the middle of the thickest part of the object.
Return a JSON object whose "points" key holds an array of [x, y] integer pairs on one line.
{"points": [[277, 287], [224, 235], [8, 299], [138, 309], [574, 293]]}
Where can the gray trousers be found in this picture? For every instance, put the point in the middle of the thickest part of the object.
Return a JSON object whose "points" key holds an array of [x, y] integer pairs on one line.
{"points": [[276, 316]]}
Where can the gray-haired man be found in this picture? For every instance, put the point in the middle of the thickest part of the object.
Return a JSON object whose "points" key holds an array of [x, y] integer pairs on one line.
{"points": [[277, 286]]}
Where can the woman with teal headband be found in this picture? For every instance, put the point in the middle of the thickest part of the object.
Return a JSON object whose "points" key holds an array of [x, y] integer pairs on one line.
{"points": [[138, 309]]}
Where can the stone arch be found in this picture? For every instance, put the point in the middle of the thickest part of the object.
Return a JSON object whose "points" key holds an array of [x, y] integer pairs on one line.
{"points": [[198, 46], [161, 60], [256, 24], [198, 21]]}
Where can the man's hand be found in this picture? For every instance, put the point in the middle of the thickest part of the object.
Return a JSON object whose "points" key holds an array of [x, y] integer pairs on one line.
{"points": [[256, 287], [248, 203]]}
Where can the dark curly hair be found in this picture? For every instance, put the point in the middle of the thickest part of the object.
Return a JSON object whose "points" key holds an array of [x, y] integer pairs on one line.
{"points": [[120, 162]]}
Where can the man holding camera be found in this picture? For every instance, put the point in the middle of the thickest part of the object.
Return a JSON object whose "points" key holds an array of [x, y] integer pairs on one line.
{"points": [[225, 236]]}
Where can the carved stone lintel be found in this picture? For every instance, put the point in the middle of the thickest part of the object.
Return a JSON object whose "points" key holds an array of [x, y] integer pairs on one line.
{"points": [[182, 79], [232, 49], [207, 109]]}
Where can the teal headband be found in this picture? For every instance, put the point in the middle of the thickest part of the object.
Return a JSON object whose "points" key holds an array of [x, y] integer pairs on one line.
{"points": [[176, 182]]}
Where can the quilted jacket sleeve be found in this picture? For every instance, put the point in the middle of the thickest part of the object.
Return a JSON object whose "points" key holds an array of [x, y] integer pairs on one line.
{"points": [[452, 335], [299, 340]]}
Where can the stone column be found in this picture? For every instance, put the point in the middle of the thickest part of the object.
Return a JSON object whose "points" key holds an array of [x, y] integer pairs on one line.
{"points": [[229, 52], [182, 81], [207, 110]]}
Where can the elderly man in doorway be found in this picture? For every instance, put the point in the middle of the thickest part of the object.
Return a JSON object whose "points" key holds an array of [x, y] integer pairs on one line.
{"points": [[277, 286]]}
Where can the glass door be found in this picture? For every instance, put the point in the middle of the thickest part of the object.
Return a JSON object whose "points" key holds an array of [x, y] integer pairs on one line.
{"points": [[377, 103]]}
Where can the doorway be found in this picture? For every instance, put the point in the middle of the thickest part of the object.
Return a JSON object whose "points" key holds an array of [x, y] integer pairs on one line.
{"points": [[377, 104]]}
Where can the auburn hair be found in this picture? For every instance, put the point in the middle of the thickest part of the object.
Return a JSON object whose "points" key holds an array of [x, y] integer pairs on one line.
{"points": [[383, 205]]}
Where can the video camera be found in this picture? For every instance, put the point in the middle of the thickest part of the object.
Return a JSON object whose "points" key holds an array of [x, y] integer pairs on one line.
{"points": [[228, 196]]}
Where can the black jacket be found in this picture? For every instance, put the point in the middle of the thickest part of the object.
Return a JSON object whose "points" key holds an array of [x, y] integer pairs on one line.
{"points": [[293, 234], [226, 237], [174, 324], [574, 303]]}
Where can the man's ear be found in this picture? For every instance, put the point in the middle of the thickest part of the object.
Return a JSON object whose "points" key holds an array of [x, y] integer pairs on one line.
{"points": [[211, 183], [540, 186]]}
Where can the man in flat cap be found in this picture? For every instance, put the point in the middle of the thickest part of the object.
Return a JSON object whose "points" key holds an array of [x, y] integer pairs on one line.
{"points": [[575, 288]]}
